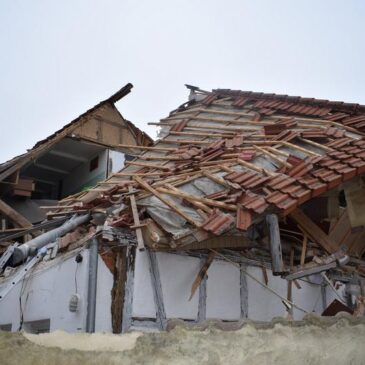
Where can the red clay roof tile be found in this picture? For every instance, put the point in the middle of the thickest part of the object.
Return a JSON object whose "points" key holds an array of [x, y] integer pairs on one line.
{"points": [[218, 222], [244, 218]]}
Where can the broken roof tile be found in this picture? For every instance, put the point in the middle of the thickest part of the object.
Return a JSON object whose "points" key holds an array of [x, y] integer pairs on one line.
{"points": [[273, 129], [352, 170], [240, 102], [209, 99], [178, 127], [301, 169], [244, 218], [294, 160], [246, 155], [218, 222], [276, 197], [255, 183], [339, 142], [258, 205], [233, 142], [287, 205], [281, 182], [302, 195]]}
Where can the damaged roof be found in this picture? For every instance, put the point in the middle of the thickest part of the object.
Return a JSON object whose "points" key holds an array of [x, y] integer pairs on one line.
{"points": [[226, 158], [9, 167]]}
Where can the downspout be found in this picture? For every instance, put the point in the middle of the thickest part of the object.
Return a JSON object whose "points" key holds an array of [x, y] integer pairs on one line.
{"points": [[92, 283]]}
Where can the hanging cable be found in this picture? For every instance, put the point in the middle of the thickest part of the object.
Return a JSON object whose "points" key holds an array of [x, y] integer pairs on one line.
{"points": [[285, 300]]}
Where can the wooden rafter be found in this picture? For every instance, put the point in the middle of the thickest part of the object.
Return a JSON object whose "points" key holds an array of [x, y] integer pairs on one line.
{"points": [[14, 216], [313, 231]]}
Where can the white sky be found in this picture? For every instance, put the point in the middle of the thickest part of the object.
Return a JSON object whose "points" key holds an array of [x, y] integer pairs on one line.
{"points": [[61, 57]]}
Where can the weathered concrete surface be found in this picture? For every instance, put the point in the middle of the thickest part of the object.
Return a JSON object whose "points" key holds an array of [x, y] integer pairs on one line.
{"points": [[312, 341]]}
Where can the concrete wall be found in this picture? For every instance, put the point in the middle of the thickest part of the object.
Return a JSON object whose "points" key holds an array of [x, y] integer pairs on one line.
{"points": [[46, 293]]}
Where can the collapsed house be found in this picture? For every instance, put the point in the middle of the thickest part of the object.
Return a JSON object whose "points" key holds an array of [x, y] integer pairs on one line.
{"points": [[249, 205]]}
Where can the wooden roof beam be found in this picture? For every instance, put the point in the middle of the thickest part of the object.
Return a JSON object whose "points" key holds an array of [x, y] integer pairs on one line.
{"points": [[14, 216]]}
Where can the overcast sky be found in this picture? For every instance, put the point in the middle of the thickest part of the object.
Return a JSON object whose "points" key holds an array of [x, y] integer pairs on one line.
{"points": [[59, 58]]}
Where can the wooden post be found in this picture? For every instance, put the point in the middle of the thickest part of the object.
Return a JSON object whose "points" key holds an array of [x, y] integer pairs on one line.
{"points": [[137, 223], [243, 291], [290, 284], [202, 306], [202, 273], [120, 273], [275, 244], [304, 249], [128, 289]]}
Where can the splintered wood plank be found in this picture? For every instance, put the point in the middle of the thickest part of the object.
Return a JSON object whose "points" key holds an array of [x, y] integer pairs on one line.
{"points": [[151, 166], [313, 231], [264, 274], [290, 282], [148, 148], [201, 274], [137, 222], [166, 201], [274, 157], [14, 216], [200, 205], [304, 249], [189, 197]]}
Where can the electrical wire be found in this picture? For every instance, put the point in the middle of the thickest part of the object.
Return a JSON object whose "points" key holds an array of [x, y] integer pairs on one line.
{"points": [[259, 282], [77, 266], [22, 290]]}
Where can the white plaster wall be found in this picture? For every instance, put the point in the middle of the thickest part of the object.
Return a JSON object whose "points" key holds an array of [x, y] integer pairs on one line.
{"points": [[177, 274], [103, 315], [309, 297], [117, 161], [81, 176], [143, 301], [263, 305], [46, 295], [223, 291]]}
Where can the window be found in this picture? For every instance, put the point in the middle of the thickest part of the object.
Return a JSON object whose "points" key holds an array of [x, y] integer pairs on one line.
{"points": [[94, 163]]}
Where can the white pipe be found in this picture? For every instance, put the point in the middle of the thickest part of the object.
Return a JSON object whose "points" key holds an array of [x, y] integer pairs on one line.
{"points": [[23, 251]]}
